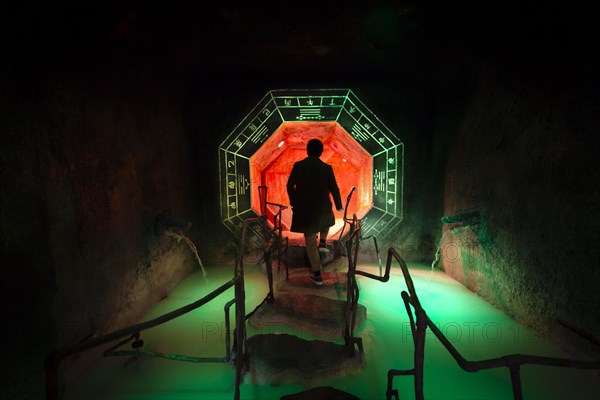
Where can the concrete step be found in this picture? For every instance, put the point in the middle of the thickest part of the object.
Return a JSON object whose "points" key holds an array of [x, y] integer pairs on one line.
{"points": [[320, 393], [304, 309], [305, 314], [297, 258], [334, 284], [287, 359]]}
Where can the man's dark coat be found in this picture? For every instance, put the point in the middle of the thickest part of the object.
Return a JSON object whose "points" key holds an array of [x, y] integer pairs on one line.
{"points": [[309, 185]]}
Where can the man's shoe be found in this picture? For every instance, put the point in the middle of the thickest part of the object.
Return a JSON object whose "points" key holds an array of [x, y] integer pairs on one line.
{"points": [[323, 247], [316, 278]]}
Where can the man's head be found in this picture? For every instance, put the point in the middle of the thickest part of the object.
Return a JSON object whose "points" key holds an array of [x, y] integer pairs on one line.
{"points": [[314, 148]]}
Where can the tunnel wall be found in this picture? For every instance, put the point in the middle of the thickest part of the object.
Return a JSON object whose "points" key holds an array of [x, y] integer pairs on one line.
{"points": [[523, 156], [89, 164]]}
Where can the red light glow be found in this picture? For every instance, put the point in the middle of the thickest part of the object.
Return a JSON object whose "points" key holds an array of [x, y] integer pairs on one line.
{"points": [[273, 162]]}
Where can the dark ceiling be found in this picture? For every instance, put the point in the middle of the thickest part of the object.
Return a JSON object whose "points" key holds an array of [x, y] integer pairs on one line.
{"points": [[325, 36]]}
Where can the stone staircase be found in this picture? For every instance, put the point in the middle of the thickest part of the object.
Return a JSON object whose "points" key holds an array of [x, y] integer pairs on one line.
{"points": [[311, 349]]}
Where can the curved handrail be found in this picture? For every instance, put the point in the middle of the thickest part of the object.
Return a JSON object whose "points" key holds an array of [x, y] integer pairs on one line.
{"points": [[352, 290], [347, 220], [276, 231], [419, 324], [353, 224], [388, 266], [54, 359]]}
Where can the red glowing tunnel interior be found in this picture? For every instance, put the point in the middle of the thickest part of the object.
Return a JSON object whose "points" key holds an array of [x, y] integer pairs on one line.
{"points": [[271, 165]]}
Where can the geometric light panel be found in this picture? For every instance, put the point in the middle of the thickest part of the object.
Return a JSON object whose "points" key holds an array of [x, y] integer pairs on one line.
{"points": [[363, 151]]}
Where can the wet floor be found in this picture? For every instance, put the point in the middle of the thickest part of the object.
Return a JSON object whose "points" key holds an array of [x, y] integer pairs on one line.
{"points": [[476, 328]]}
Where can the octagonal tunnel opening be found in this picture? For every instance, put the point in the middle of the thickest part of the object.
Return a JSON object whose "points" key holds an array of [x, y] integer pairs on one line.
{"points": [[352, 165]]}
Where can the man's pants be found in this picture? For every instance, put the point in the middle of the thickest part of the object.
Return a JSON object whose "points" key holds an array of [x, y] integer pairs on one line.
{"points": [[310, 241]]}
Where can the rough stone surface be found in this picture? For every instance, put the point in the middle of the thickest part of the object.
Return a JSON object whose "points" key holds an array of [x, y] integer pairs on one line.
{"points": [[303, 308], [520, 156], [338, 264], [334, 284], [312, 315], [282, 359], [297, 258], [320, 393]]}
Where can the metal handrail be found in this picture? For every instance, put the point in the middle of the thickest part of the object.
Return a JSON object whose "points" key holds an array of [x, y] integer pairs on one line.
{"points": [[53, 362], [352, 222], [137, 343], [419, 322], [345, 218], [353, 291], [277, 230], [382, 278]]}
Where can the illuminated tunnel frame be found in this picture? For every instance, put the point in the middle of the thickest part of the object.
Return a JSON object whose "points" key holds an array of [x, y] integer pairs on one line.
{"points": [[338, 110], [272, 164]]}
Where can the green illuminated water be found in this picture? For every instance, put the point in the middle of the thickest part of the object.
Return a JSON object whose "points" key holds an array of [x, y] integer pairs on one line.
{"points": [[477, 329]]}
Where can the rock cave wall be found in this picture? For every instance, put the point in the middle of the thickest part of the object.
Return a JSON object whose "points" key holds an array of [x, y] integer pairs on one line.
{"points": [[92, 161], [523, 159]]}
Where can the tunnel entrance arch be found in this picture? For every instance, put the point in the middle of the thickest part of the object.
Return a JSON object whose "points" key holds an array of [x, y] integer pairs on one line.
{"points": [[263, 147]]}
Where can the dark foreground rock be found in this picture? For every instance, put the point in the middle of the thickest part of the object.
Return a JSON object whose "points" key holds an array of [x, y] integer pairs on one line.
{"points": [[321, 393], [285, 359]]}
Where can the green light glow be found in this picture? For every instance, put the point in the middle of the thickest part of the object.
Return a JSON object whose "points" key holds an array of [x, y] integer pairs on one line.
{"points": [[477, 329]]}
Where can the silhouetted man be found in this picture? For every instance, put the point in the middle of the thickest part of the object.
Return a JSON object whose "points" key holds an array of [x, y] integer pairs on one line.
{"points": [[309, 185]]}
